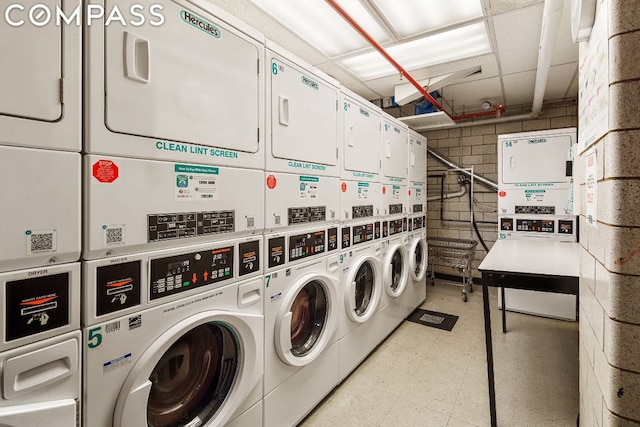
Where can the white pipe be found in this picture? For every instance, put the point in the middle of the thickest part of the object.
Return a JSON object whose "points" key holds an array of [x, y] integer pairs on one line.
{"points": [[462, 192], [548, 36], [442, 159]]}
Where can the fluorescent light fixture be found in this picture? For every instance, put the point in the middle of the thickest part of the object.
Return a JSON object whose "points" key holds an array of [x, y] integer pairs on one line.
{"points": [[460, 43], [321, 26], [415, 17]]}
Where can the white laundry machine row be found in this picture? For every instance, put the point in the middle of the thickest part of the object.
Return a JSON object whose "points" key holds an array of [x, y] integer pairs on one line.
{"points": [[175, 337], [40, 220], [302, 308], [361, 287], [187, 85], [41, 82], [133, 205], [361, 139], [302, 116], [40, 346], [295, 201]]}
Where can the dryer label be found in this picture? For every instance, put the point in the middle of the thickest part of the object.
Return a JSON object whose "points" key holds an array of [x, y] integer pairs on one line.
{"points": [[302, 165], [308, 187], [196, 150], [196, 182], [310, 82], [36, 305]]}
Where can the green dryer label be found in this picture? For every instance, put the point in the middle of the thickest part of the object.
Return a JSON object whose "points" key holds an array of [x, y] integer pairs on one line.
{"points": [[201, 24]]}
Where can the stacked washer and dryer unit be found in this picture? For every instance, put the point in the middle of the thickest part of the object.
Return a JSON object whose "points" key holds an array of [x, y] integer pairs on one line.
{"points": [[173, 319], [361, 228], [40, 225]]}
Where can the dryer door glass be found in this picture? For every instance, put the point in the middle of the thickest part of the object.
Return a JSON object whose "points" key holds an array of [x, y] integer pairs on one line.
{"points": [[309, 317], [364, 288], [397, 265], [419, 259], [193, 377]]}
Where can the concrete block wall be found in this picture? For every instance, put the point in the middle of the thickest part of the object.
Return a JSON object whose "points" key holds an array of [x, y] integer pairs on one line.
{"points": [[477, 146], [610, 257]]}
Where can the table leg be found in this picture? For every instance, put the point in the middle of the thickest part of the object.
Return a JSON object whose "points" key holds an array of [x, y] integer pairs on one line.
{"points": [[489, 345], [504, 312]]}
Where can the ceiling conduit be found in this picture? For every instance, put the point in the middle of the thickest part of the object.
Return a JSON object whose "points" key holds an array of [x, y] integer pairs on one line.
{"points": [[549, 33]]}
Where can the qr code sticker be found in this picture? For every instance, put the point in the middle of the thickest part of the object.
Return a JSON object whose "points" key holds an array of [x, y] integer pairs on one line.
{"points": [[41, 241], [251, 222], [114, 235]]}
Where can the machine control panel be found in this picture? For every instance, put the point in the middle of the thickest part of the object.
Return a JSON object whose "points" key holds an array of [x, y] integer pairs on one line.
{"points": [[306, 244], [417, 208], [362, 211], [537, 225], [189, 224], [376, 230], [276, 251], [303, 215], [249, 257], [535, 210], [396, 226], [179, 273], [395, 208], [416, 223], [36, 304], [346, 237], [362, 233], [506, 224], [565, 226], [118, 286], [332, 239]]}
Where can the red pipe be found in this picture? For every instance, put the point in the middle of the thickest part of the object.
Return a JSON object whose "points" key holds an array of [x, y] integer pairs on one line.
{"points": [[497, 110], [384, 53]]}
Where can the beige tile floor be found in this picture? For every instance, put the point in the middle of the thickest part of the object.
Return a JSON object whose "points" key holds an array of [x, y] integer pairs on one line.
{"points": [[422, 376]]}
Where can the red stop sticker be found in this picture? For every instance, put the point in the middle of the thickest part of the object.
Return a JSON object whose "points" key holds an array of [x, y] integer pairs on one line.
{"points": [[344, 187], [502, 193], [271, 182], [384, 189], [409, 191], [105, 171]]}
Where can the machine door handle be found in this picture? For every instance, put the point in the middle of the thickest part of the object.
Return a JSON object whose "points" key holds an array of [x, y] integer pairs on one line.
{"points": [[283, 110], [136, 58]]}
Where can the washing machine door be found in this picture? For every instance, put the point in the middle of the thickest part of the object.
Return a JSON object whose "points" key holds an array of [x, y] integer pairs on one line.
{"points": [[197, 373], [307, 320], [363, 287], [418, 259], [395, 270]]}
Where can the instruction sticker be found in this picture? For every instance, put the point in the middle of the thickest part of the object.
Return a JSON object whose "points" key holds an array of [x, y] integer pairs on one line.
{"points": [[196, 182], [309, 187]]}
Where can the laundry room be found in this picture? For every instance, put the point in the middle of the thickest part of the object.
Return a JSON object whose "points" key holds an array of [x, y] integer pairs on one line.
{"points": [[279, 213]]}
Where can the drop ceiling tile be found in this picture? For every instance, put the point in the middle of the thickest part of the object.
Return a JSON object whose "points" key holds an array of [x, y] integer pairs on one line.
{"points": [[518, 38], [560, 81], [519, 88], [468, 96]]}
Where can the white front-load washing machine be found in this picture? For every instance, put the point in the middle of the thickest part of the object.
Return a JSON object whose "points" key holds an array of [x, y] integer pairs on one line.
{"points": [[416, 291], [175, 337], [395, 274], [361, 289], [302, 307], [40, 347]]}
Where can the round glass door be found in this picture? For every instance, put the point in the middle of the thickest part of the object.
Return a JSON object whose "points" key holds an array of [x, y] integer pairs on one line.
{"points": [[194, 377], [364, 288], [309, 313], [419, 261], [397, 271]]}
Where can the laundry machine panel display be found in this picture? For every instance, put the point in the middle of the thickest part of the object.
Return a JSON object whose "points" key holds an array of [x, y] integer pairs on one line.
{"points": [[538, 225], [346, 237], [362, 211], [37, 304], [188, 89], [416, 223], [307, 214], [376, 230], [189, 224], [306, 244], [304, 118], [249, 257], [175, 274], [118, 287], [394, 226], [362, 130], [332, 239], [362, 233], [276, 251], [134, 205]]}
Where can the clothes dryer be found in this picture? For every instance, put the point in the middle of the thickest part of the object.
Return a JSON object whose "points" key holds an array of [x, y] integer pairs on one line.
{"points": [[40, 346], [41, 80], [133, 205], [395, 151], [147, 96], [40, 216], [302, 307], [177, 355], [302, 117], [361, 289], [361, 139]]}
